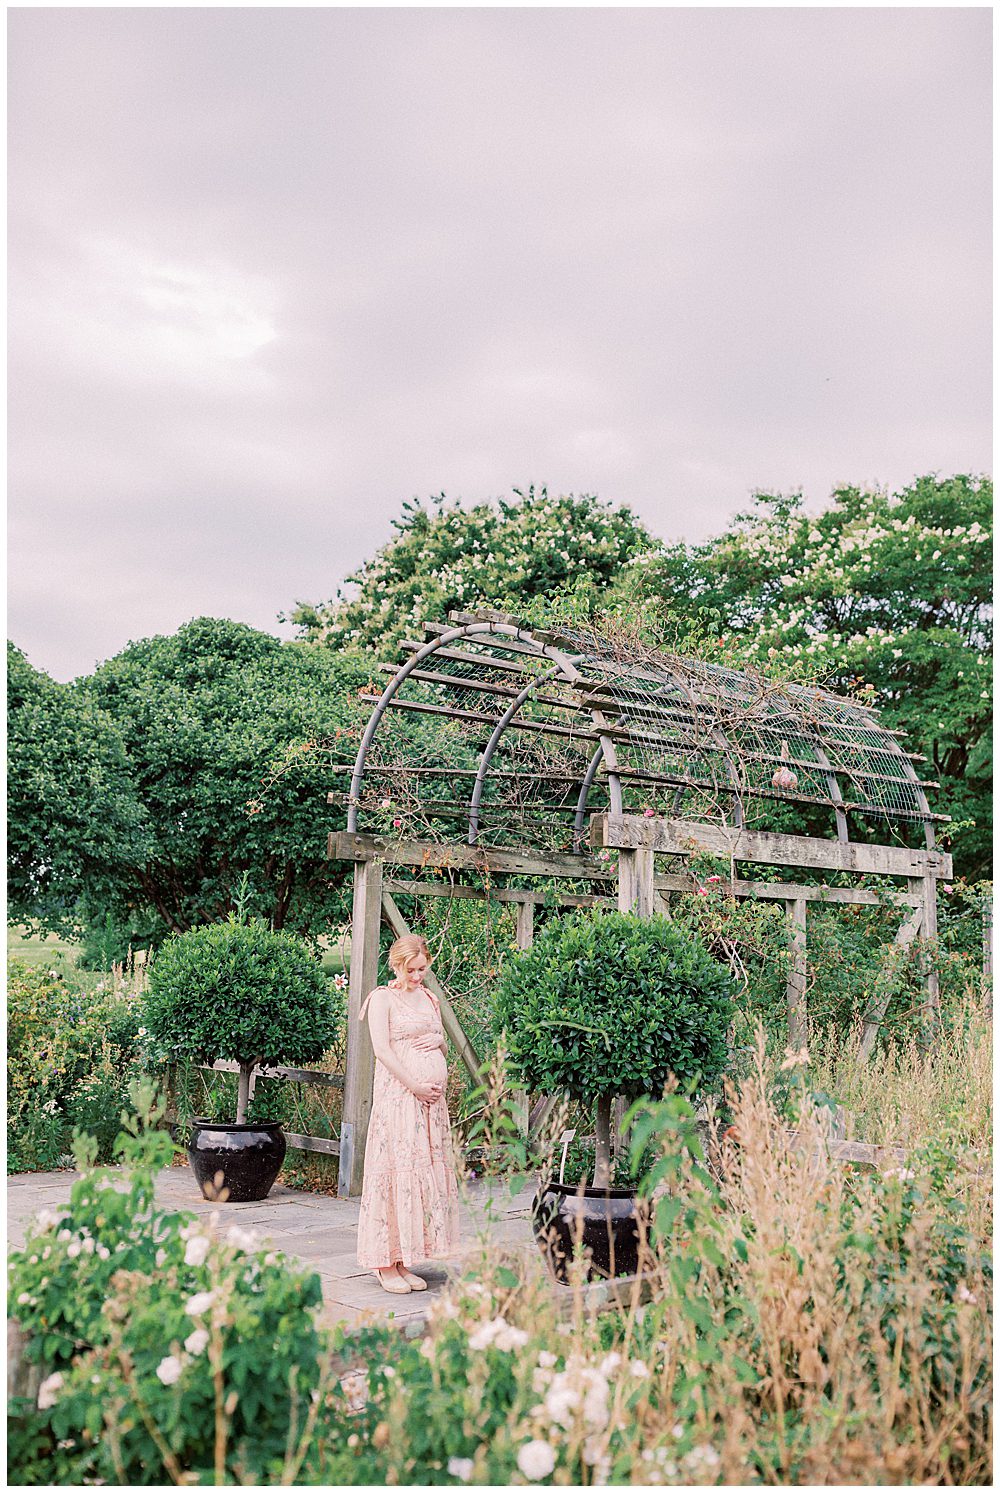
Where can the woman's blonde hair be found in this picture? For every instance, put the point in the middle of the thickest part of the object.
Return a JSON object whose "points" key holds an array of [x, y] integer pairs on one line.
{"points": [[406, 949]]}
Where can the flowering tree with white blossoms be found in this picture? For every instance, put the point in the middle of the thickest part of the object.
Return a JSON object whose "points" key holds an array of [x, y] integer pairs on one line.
{"points": [[444, 556], [886, 595]]}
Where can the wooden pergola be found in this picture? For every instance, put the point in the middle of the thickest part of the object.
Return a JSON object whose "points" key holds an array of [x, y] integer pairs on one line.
{"points": [[548, 751]]}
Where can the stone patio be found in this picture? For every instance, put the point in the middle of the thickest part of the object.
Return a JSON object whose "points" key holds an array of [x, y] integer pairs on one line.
{"points": [[319, 1231]]}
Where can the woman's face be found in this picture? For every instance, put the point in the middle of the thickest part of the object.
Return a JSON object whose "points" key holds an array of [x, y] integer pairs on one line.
{"points": [[414, 969]]}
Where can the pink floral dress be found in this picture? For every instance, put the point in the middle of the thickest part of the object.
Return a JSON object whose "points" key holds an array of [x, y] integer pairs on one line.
{"points": [[409, 1201]]}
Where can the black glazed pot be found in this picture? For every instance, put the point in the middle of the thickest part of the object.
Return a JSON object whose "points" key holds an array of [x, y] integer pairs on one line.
{"points": [[236, 1163], [609, 1222]]}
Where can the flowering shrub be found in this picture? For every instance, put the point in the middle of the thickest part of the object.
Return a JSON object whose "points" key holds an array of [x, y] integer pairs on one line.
{"points": [[72, 1050], [159, 1347]]}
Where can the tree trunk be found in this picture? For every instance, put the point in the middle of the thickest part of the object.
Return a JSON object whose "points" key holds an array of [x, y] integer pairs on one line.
{"points": [[602, 1163], [243, 1100]]}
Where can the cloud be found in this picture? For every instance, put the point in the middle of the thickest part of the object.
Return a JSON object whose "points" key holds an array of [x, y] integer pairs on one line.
{"points": [[274, 271]]}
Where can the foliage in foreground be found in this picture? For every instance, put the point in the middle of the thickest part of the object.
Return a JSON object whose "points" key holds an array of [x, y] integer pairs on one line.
{"points": [[809, 1324]]}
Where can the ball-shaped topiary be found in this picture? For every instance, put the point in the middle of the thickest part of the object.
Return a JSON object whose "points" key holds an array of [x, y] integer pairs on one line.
{"points": [[607, 1003], [239, 992]]}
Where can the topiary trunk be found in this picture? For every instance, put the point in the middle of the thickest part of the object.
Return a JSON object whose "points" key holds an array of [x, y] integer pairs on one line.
{"points": [[243, 1096], [602, 1162]]}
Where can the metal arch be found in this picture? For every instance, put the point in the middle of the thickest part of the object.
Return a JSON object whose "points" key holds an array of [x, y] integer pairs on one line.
{"points": [[581, 803], [494, 741], [465, 630]]}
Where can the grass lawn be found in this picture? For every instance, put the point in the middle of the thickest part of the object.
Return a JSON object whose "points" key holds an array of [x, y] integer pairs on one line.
{"points": [[60, 953]]}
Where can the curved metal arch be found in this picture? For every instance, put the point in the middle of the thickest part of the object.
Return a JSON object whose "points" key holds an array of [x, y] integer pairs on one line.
{"points": [[585, 787], [494, 741], [565, 664]]}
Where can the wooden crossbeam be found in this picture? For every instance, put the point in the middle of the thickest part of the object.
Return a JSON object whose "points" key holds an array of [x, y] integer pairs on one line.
{"points": [[682, 837]]}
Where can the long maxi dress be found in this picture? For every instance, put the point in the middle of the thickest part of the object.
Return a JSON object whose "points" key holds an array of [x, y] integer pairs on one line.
{"points": [[409, 1201]]}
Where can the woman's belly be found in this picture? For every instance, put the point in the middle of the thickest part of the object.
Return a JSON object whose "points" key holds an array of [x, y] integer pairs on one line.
{"points": [[429, 1067]]}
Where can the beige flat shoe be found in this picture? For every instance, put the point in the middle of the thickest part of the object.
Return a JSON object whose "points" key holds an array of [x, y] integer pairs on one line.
{"points": [[393, 1283], [415, 1282]]}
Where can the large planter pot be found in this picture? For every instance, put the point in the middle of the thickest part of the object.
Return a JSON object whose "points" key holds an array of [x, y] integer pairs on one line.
{"points": [[236, 1163], [609, 1222]]}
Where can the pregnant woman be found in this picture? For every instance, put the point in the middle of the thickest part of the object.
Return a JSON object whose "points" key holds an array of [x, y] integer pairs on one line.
{"points": [[409, 1202]]}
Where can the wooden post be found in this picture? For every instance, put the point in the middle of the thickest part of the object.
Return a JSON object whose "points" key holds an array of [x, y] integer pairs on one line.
{"points": [[929, 931], [798, 1026], [636, 892], [525, 924], [360, 1069], [988, 952], [525, 938]]}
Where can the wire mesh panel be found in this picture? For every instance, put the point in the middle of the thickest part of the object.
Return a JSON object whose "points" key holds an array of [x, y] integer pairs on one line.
{"points": [[522, 733]]}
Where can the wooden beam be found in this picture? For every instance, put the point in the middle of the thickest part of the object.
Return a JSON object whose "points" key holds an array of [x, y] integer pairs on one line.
{"points": [[798, 1026], [755, 891], [342, 845], [684, 837], [635, 882], [525, 923], [359, 1078], [450, 1021], [316, 1143], [875, 1014], [929, 932]]}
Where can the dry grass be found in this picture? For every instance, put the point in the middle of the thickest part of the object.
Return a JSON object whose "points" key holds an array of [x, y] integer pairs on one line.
{"points": [[812, 1324]]}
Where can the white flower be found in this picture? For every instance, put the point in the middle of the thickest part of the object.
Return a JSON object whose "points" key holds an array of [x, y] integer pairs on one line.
{"points": [[74, 1249], [169, 1370], [964, 1294], [89, 1246], [47, 1219], [638, 1369], [197, 1342], [560, 1403], [48, 1391], [460, 1467], [609, 1363], [702, 1457], [199, 1303], [498, 1334], [677, 1431], [103, 1253], [197, 1249], [24, 1299], [546, 1359], [536, 1460], [245, 1239], [161, 1258]]}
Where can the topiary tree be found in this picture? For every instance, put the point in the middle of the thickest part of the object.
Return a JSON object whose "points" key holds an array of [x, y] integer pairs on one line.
{"points": [[607, 1003], [242, 993]]}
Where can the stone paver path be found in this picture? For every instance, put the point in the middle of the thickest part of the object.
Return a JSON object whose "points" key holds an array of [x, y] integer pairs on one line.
{"points": [[320, 1231]]}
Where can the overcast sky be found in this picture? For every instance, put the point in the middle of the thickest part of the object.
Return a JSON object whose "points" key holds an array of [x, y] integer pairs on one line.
{"points": [[275, 271]]}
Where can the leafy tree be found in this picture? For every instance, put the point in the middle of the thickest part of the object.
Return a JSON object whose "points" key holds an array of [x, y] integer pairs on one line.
{"points": [[73, 819], [239, 992], [884, 594], [200, 756], [446, 557], [606, 1003]]}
